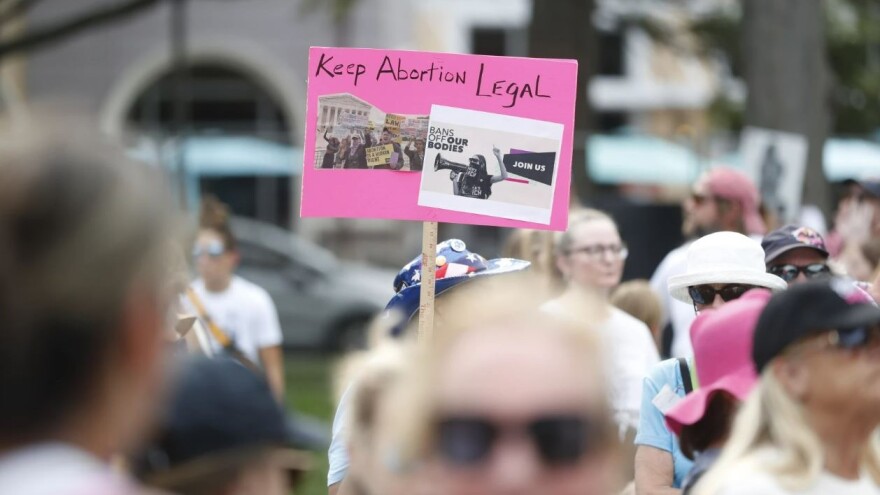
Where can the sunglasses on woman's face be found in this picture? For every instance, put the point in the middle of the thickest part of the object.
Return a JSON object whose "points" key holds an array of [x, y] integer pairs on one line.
{"points": [[213, 250], [559, 440], [791, 272], [705, 294]]}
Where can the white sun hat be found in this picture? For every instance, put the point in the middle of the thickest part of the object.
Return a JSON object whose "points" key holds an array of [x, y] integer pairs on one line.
{"points": [[723, 258]]}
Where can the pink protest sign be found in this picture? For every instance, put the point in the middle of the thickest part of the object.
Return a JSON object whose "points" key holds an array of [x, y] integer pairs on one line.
{"points": [[439, 137]]}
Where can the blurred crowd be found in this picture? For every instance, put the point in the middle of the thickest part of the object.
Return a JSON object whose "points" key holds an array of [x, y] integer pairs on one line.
{"points": [[544, 374]]}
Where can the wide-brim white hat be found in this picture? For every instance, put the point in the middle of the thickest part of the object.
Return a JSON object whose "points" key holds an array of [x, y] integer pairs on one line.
{"points": [[723, 258]]}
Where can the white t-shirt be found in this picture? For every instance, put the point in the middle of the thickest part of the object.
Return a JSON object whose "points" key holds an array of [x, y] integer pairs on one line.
{"points": [[826, 484], [59, 469], [245, 312], [681, 315], [631, 355], [337, 454]]}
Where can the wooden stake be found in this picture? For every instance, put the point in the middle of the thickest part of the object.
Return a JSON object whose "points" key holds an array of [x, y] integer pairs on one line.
{"points": [[429, 268]]}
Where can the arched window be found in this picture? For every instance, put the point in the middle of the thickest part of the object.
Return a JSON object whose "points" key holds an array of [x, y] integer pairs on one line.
{"points": [[226, 109]]}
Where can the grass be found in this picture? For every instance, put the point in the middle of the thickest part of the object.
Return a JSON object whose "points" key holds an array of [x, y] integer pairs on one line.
{"points": [[309, 379]]}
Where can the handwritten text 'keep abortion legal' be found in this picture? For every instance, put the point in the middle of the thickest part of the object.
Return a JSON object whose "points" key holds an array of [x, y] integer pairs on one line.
{"points": [[395, 69]]}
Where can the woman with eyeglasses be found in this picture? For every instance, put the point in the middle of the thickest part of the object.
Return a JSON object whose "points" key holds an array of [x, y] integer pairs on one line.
{"points": [[590, 255], [509, 399], [811, 425], [240, 315]]}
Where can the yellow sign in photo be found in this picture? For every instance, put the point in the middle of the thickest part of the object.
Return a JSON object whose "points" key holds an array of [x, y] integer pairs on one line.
{"points": [[379, 155]]}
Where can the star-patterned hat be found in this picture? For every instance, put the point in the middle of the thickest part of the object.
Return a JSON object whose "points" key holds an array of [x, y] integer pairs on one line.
{"points": [[455, 265]]}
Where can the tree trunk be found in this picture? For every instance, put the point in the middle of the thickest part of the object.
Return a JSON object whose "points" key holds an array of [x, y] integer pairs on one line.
{"points": [[564, 29], [788, 79]]}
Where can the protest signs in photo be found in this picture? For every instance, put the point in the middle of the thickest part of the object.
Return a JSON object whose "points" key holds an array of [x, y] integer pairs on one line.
{"points": [[367, 137], [352, 134], [490, 164]]}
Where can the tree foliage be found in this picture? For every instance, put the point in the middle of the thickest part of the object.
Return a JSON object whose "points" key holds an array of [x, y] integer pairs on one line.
{"points": [[853, 55]]}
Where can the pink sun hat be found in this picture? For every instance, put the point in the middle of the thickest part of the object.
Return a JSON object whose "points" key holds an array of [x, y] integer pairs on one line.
{"points": [[722, 340]]}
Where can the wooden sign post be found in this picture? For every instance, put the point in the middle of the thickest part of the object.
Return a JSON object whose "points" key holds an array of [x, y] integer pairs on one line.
{"points": [[429, 269]]}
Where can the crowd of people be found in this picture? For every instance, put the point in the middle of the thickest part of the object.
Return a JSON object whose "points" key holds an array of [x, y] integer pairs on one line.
{"points": [[544, 373], [351, 151], [767, 387]]}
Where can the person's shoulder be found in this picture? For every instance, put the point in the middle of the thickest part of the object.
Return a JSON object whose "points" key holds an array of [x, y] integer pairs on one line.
{"points": [[677, 255], [198, 285], [246, 289], [621, 318], [665, 372], [554, 308], [674, 262], [749, 482], [630, 328]]}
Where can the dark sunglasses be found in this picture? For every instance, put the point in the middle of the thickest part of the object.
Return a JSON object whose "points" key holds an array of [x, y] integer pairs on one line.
{"points": [[560, 440], [791, 272], [213, 250], [705, 294], [854, 338]]}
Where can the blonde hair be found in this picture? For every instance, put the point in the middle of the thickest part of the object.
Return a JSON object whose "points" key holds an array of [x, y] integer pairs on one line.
{"points": [[565, 239], [512, 307], [537, 247], [771, 417], [374, 380], [637, 298]]}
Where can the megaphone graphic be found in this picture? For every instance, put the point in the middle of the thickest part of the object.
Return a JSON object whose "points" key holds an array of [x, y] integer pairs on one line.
{"points": [[442, 163]]}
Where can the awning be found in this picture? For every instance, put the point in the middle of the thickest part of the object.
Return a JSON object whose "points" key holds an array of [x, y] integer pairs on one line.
{"points": [[640, 159]]}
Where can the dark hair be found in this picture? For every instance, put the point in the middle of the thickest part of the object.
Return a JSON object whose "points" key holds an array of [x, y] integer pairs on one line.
{"points": [[714, 426], [479, 161], [385, 129], [215, 216], [79, 225]]}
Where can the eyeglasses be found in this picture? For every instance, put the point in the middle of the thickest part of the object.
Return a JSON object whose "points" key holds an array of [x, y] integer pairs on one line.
{"points": [[560, 440], [854, 338], [791, 272], [213, 250], [596, 251], [705, 294]]}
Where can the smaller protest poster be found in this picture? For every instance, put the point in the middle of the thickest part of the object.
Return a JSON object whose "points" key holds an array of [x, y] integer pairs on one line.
{"points": [[354, 134], [490, 164], [777, 162]]}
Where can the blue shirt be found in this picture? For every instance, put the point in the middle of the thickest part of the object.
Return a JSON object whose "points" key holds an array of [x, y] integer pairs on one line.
{"points": [[652, 426]]}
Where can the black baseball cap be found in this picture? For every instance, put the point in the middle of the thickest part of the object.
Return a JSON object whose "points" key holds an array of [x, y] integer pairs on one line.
{"points": [[784, 239], [217, 408], [808, 309]]}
